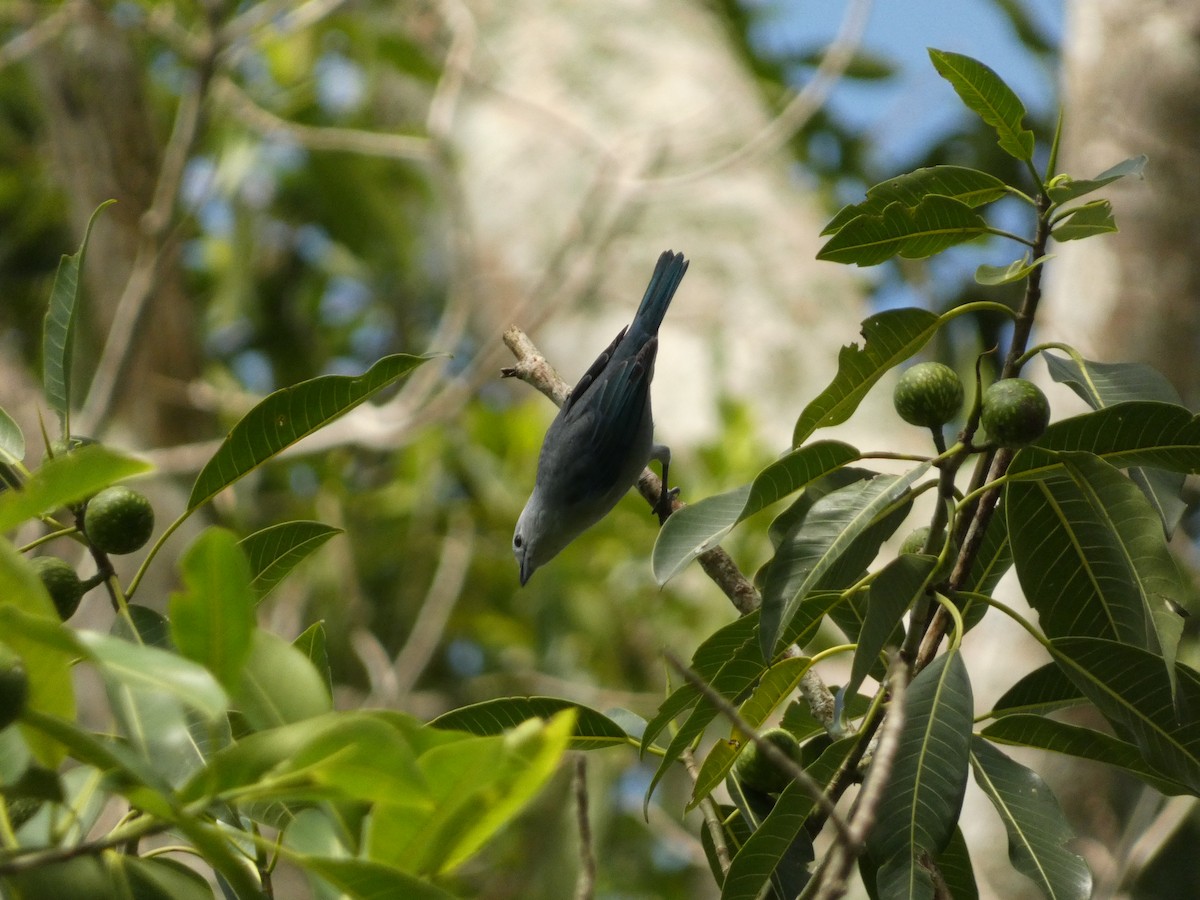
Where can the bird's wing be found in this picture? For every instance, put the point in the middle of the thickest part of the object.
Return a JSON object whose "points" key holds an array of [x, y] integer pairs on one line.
{"points": [[594, 371], [616, 409]]}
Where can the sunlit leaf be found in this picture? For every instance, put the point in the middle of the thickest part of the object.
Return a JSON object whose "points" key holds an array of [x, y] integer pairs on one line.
{"points": [[913, 232], [288, 415], [1017, 270], [12, 441], [700, 526], [890, 338], [1085, 221], [986, 94], [593, 730], [279, 685], [1037, 829], [59, 327], [276, 550], [1063, 188], [921, 802], [968, 186]]}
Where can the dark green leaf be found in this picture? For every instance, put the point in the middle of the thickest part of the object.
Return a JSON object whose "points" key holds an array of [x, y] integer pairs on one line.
{"points": [[276, 550], [1017, 270], [891, 337], [831, 545], [700, 526], [921, 802], [986, 94], [279, 684], [59, 327], [968, 186], [1043, 690], [954, 862], [900, 583], [66, 479], [1024, 730], [12, 441], [993, 559], [1085, 221], [1063, 188], [593, 730], [212, 618], [1132, 689], [913, 232], [368, 880], [288, 415], [1037, 829]]}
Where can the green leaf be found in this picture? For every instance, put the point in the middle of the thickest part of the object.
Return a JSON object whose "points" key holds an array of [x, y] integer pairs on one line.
{"points": [[1063, 188], [968, 186], [920, 805], [1024, 730], [698, 527], [212, 618], [156, 670], [831, 545], [279, 684], [12, 441], [1017, 270], [276, 550], [59, 327], [1044, 690], [986, 95], [897, 586], [1085, 221], [478, 785], [160, 878], [891, 337], [954, 862], [593, 730], [913, 232], [26, 614], [1132, 689], [1037, 829], [777, 684], [994, 557], [311, 642], [286, 416], [1135, 433], [780, 839], [369, 880], [66, 479], [1114, 574]]}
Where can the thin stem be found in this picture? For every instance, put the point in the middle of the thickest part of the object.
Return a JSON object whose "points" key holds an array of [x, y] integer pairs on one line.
{"points": [[976, 306], [1000, 232]]}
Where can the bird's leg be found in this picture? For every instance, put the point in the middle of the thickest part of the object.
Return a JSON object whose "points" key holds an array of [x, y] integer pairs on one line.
{"points": [[662, 508]]}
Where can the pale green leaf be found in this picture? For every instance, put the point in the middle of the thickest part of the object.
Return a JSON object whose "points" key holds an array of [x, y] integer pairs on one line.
{"points": [[279, 685], [1085, 221], [12, 441], [1064, 188]]}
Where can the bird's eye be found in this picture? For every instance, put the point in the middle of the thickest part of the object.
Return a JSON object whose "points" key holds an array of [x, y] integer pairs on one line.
{"points": [[517, 542]]}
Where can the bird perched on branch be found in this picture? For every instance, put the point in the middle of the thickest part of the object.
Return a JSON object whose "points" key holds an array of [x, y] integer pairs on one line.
{"points": [[602, 437]]}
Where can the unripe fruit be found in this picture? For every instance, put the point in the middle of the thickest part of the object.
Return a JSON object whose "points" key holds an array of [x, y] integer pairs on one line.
{"points": [[14, 688], [118, 520], [1014, 412], [915, 543], [928, 394], [61, 583], [754, 770]]}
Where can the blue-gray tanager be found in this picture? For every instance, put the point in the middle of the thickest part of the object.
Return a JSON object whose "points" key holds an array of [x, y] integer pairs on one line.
{"points": [[602, 437]]}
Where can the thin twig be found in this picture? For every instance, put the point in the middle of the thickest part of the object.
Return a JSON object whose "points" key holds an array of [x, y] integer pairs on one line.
{"points": [[712, 816], [585, 885]]}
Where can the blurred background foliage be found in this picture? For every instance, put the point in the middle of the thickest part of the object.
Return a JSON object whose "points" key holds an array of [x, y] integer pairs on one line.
{"points": [[300, 256]]}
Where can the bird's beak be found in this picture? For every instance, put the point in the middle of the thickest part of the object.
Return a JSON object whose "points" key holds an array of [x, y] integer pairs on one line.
{"points": [[526, 570]]}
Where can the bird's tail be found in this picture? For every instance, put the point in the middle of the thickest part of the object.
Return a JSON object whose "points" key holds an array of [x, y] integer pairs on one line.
{"points": [[663, 284]]}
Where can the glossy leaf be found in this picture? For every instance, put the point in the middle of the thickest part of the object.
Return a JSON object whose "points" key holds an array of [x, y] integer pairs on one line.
{"points": [[968, 186], [276, 550], [212, 618], [1086, 221], [831, 546], [986, 94], [700, 526], [1063, 188], [1132, 689], [59, 327], [920, 806], [286, 416], [913, 232], [67, 479], [12, 441], [890, 338], [1042, 733], [1037, 829], [897, 586], [26, 615], [593, 730], [1017, 270], [279, 685]]}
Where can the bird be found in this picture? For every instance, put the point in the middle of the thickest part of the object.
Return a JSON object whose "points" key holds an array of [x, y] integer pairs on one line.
{"points": [[603, 435]]}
